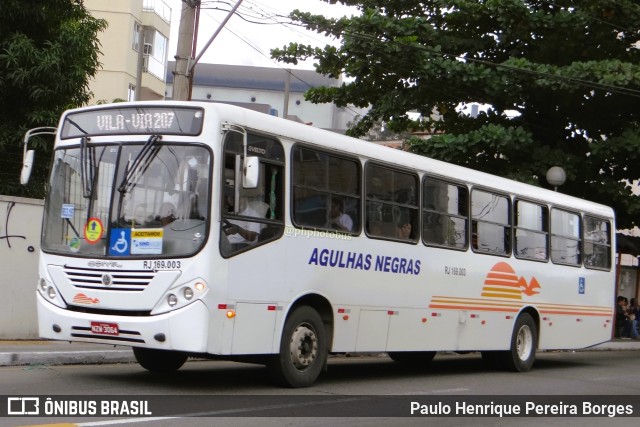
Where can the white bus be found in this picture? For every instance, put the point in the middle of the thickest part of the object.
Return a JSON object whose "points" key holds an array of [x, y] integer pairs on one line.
{"points": [[187, 229]]}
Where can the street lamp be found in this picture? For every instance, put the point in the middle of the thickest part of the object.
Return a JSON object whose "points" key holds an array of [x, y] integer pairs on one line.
{"points": [[556, 177]]}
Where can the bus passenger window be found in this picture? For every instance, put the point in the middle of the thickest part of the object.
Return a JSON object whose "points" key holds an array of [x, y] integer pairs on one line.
{"points": [[597, 243], [445, 213], [565, 237], [491, 222], [251, 216], [326, 191], [392, 203], [531, 231]]}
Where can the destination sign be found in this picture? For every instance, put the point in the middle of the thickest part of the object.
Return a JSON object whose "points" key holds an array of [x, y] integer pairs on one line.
{"points": [[133, 120]]}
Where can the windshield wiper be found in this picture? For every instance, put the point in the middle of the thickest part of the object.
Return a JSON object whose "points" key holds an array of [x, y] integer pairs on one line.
{"points": [[87, 167], [140, 163]]}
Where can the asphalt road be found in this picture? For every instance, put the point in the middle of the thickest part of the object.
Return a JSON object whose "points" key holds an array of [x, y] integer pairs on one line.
{"points": [[356, 391]]}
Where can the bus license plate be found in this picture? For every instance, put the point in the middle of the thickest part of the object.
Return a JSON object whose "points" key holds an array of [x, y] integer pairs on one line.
{"points": [[102, 328]]}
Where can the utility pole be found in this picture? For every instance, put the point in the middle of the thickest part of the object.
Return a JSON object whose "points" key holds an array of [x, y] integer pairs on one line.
{"points": [[181, 75], [287, 89], [185, 63]]}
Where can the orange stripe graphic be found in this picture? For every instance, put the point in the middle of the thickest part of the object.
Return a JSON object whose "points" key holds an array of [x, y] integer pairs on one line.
{"points": [[480, 304]]}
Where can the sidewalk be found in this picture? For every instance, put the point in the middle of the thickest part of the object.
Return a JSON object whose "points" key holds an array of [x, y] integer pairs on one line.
{"points": [[44, 352]]}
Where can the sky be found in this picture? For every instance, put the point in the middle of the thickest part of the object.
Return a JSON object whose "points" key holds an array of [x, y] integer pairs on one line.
{"points": [[248, 43]]}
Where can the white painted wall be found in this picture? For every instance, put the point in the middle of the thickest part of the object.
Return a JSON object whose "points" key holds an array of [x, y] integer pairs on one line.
{"points": [[20, 224]]}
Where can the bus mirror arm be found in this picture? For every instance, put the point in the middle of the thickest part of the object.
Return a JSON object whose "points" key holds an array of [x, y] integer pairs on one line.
{"points": [[250, 165], [28, 155]]}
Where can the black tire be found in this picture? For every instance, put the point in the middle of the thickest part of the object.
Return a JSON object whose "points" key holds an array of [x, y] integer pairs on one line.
{"points": [[522, 353], [412, 357], [159, 360], [303, 350]]}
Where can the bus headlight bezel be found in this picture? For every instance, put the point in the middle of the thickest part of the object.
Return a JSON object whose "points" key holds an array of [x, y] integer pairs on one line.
{"points": [[180, 296]]}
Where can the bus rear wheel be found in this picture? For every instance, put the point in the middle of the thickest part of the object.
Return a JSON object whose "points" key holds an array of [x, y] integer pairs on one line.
{"points": [[303, 350], [155, 360], [522, 352], [412, 357]]}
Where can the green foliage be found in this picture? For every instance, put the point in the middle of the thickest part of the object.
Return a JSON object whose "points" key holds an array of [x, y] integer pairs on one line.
{"points": [[560, 79], [48, 52]]}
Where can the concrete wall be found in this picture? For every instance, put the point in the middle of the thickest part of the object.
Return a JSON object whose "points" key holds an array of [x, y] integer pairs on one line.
{"points": [[20, 224]]}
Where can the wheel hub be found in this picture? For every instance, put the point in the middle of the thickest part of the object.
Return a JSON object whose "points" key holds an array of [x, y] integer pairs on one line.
{"points": [[303, 346], [524, 342]]}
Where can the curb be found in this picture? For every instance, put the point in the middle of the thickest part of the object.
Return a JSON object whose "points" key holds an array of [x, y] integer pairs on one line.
{"points": [[66, 357]]}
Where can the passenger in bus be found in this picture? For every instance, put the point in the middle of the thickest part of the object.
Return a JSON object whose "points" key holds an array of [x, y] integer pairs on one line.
{"points": [[167, 213], [374, 229], [240, 233], [141, 216], [404, 230], [339, 219]]}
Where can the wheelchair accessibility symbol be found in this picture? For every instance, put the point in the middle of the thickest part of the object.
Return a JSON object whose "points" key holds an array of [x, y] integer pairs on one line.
{"points": [[119, 241]]}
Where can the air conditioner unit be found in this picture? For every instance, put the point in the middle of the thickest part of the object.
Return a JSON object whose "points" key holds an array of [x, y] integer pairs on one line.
{"points": [[148, 49]]}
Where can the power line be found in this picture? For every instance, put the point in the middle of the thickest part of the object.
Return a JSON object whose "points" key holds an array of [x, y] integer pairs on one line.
{"points": [[257, 49]]}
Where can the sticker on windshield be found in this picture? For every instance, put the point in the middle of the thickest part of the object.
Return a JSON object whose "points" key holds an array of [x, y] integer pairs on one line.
{"points": [[120, 242], [74, 244], [67, 211], [146, 241], [93, 231]]}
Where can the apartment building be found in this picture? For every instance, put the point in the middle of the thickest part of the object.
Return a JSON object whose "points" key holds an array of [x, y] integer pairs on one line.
{"points": [[134, 49]]}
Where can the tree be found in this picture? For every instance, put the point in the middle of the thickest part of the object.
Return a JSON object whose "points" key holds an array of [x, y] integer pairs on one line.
{"points": [[560, 79], [48, 52]]}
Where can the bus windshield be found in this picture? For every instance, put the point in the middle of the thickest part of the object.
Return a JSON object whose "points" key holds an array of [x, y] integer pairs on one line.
{"points": [[134, 200]]}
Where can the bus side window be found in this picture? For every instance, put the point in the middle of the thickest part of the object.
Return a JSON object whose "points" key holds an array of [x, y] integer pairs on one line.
{"points": [[597, 243], [326, 191], [491, 223], [392, 203], [251, 216], [445, 213], [531, 231], [565, 237]]}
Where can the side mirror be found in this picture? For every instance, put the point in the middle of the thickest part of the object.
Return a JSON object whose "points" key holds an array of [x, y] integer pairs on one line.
{"points": [[251, 175], [27, 164], [27, 155]]}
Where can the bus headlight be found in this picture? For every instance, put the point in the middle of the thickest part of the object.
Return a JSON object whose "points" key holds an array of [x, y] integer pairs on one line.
{"points": [[172, 300], [49, 292], [181, 295]]}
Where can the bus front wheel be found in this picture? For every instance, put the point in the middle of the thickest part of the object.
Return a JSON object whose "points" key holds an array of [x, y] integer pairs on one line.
{"points": [[303, 350], [159, 360]]}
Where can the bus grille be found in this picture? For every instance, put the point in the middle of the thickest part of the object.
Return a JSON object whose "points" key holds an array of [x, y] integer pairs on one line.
{"points": [[123, 336], [115, 280]]}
